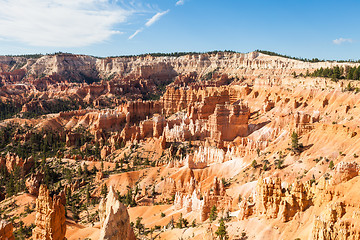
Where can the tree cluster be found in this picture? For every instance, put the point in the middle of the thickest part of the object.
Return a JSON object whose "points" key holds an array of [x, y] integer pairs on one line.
{"points": [[8, 109], [335, 73], [57, 106]]}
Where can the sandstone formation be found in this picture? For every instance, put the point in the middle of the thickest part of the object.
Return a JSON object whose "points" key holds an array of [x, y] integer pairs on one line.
{"points": [[179, 135], [12, 161], [330, 225], [189, 199], [344, 171], [33, 183], [6, 230], [161, 67], [114, 219], [274, 202], [50, 216]]}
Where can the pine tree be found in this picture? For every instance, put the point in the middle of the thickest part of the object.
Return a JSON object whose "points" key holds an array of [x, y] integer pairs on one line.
{"points": [[88, 195], [10, 186], [139, 225], [213, 214], [104, 190], [94, 169], [279, 163], [85, 170], [180, 224], [254, 164], [221, 231], [295, 141], [193, 224]]}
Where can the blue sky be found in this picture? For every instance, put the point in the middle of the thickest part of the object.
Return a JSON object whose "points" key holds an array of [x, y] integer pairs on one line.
{"points": [[307, 28]]}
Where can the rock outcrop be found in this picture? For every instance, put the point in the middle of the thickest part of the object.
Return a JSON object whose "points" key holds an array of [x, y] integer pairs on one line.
{"points": [[344, 171], [189, 199], [228, 122], [273, 201], [33, 183], [12, 161], [50, 216], [205, 156], [330, 225], [6, 230], [114, 219]]}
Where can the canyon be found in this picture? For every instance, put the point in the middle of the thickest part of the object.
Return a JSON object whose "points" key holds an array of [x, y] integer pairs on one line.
{"points": [[149, 147]]}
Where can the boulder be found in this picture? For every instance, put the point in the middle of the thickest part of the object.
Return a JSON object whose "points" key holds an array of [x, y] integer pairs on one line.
{"points": [[6, 230]]}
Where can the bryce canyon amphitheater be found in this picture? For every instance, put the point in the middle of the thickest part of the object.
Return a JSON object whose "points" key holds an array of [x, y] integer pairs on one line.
{"points": [[171, 147]]}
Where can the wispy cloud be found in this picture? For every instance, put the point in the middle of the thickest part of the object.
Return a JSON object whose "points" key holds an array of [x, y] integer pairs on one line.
{"points": [[150, 22], [180, 2], [60, 23], [136, 33], [155, 18], [342, 40]]}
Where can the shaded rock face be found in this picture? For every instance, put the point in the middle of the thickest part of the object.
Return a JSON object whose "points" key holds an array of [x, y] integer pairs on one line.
{"points": [[6, 230], [50, 216], [33, 183], [114, 219]]}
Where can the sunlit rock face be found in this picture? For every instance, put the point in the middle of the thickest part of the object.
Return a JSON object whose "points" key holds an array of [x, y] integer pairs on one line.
{"points": [[50, 216], [114, 219]]}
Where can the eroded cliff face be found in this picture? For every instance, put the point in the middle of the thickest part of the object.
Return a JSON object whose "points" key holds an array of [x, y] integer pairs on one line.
{"points": [[79, 67], [50, 216]]}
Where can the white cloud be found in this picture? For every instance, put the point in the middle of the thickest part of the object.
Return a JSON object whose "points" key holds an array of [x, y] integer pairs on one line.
{"points": [[150, 22], [136, 33], [180, 2], [155, 18], [60, 23], [342, 40]]}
